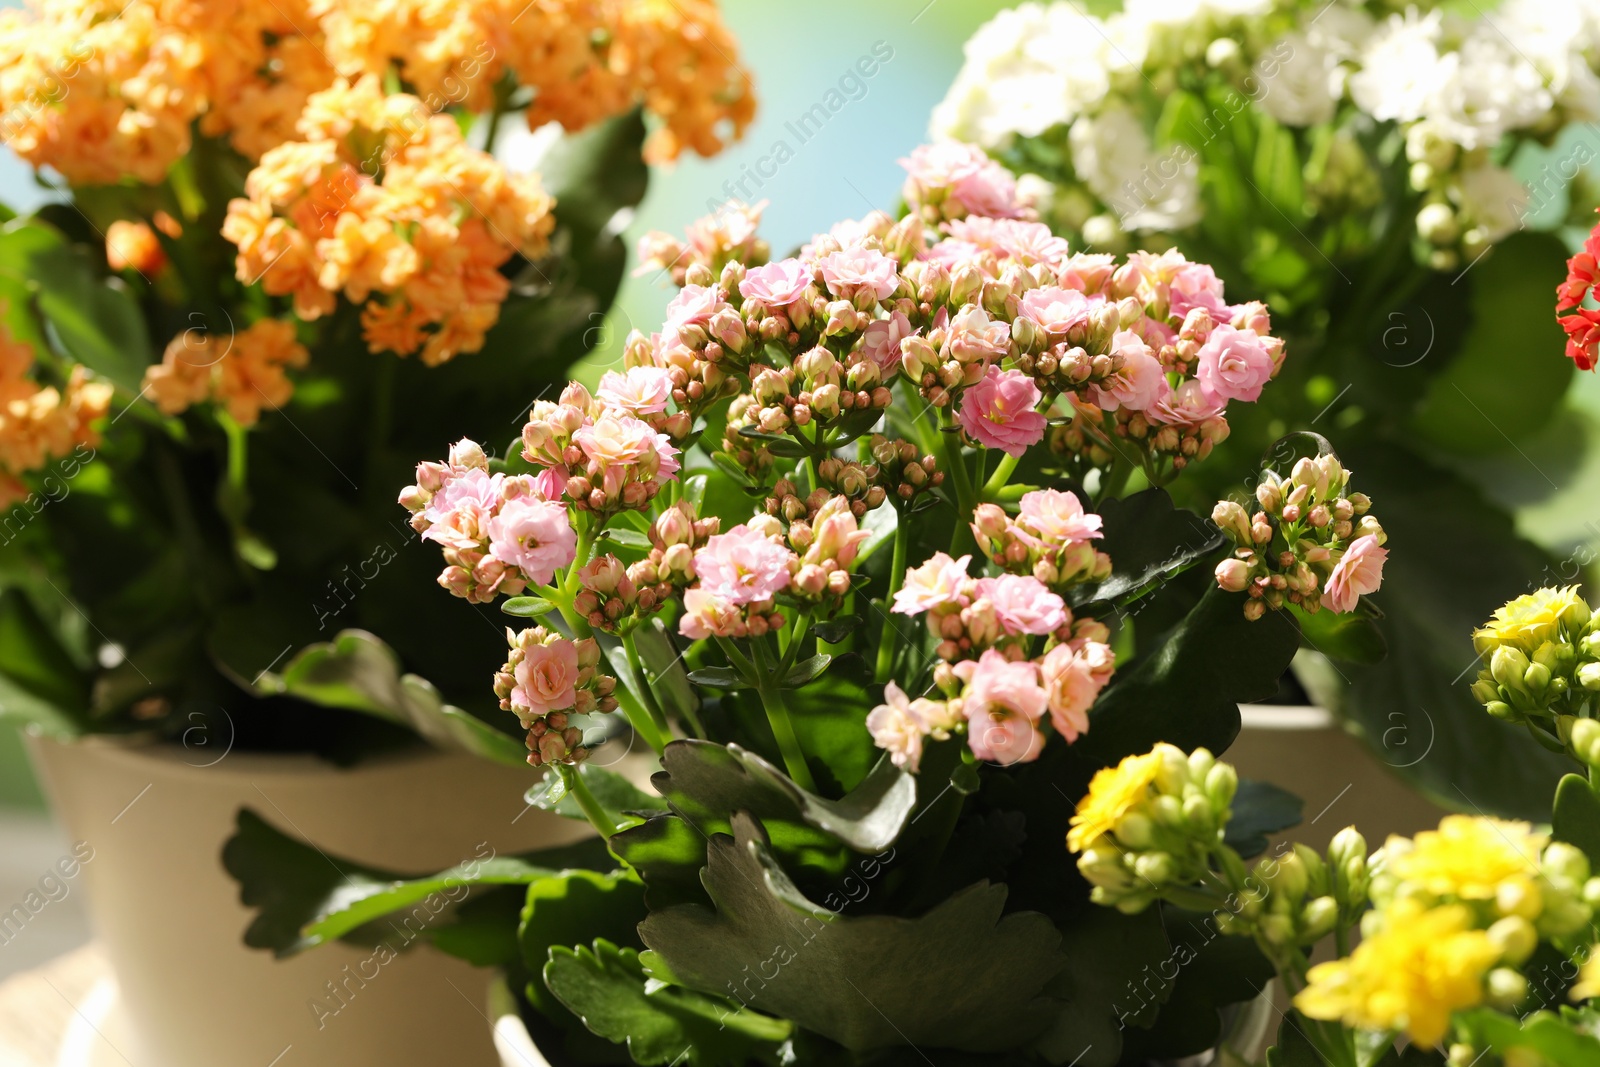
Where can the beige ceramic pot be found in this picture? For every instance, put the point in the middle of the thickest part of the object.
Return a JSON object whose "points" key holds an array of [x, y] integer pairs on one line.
{"points": [[149, 823]]}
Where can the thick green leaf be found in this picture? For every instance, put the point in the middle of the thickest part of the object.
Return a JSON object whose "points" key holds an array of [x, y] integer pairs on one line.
{"points": [[1468, 408], [807, 670], [1415, 708], [1106, 954], [1149, 540], [357, 671], [98, 322], [608, 989], [668, 852], [1277, 167], [724, 678], [576, 905], [1259, 809], [1576, 817], [1543, 1032], [307, 897], [1349, 638], [707, 783], [39, 682], [960, 976], [1187, 691], [527, 607], [837, 629]]}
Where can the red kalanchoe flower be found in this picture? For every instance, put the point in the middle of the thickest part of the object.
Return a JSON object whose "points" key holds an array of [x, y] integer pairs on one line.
{"points": [[1582, 324]]}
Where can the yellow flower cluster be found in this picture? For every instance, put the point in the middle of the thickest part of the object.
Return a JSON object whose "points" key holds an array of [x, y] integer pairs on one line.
{"points": [[581, 60], [102, 90], [384, 202], [1533, 620], [39, 424], [1455, 911], [1114, 792], [243, 372]]}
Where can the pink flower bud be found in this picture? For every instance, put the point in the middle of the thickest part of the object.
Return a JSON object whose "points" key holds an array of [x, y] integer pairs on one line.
{"points": [[1233, 575]]}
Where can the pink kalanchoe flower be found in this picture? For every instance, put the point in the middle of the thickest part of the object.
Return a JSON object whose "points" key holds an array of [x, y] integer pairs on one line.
{"points": [[534, 536], [776, 284], [742, 566], [705, 614], [836, 535], [1074, 674], [898, 728], [1023, 604], [1056, 310], [637, 391], [1358, 573], [973, 336], [935, 584], [963, 172], [551, 483], [1003, 704], [1234, 364], [998, 412], [474, 488], [1142, 381], [881, 341], [1052, 518], [1189, 405], [625, 446], [856, 271], [1028, 243], [547, 678], [1197, 285]]}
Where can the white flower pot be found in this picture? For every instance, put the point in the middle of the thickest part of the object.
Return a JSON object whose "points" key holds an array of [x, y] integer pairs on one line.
{"points": [[1343, 782], [152, 820]]}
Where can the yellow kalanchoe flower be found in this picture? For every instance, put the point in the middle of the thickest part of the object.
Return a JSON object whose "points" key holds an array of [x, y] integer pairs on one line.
{"points": [[1529, 621], [1424, 965], [1468, 857], [1113, 793], [1587, 987]]}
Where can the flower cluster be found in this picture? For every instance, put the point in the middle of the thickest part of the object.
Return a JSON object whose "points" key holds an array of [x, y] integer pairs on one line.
{"points": [[1310, 543], [384, 202], [607, 452], [1051, 538], [242, 372], [1151, 822], [101, 91], [547, 679], [39, 423], [1541, 664], [500, 533], [1454, 86], [1582, 324], [1455, 912]]}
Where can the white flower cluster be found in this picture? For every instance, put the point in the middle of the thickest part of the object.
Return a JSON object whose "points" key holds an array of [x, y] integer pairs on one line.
{"points": [[1457, 86]]}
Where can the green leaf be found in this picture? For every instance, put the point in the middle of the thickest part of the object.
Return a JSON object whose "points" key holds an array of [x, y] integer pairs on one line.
{"points": [[728, 465], [616, 794], [39, 682], [668, 853], [1277, 167], [1576, 817], [1544, 1033], [1415, 709], [627, 538], [719, 678], [1106, 954], [1468, 409], [1187, 691], [960, 976], [596, 173], [777, 444], [98, 322], [663, 667], [307, 897], [805, 671], [1349, 638], [607, 988], [837, 629], [572, 905], [527, 607], [359, 672], [708, 783], [1259, 809], [1149, 540]]}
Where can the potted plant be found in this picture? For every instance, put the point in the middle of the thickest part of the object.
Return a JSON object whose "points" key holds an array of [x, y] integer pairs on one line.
{"points": [[1392, 180], [837, 543], [281, 260]]}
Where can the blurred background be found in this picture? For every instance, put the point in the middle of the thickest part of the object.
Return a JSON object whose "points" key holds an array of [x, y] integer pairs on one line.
{"points": [[838, 163]]}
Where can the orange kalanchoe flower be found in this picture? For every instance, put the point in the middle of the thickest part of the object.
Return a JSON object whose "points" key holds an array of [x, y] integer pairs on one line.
{"points": [[39, 424], [384, 202], [244, 372]]}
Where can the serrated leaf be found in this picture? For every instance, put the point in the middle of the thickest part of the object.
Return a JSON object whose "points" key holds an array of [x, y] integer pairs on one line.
{"points": [[572, 905], [307, 896], [1259, 809], [708, 783], [357, 671], [960, 976], [806, 670], [527, 607], [837, 629], [1349, 638], [607, 988]]}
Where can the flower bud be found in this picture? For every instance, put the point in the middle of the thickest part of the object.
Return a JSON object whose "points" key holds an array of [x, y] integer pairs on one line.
{"points": [[1158, 868], [1135, 831], [1515, 937], [1505, 988], [1585, 740], [1589, 676], [1508, 666], [1318, 918]]}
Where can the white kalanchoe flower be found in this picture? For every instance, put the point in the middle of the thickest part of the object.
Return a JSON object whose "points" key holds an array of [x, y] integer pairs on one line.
{"points": [[1492, 200], [1301, 81], [1400, 67], [1113, 155], [1484, 90]]}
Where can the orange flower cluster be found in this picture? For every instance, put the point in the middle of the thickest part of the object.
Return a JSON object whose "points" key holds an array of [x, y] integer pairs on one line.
{"points": [[385, 202], [107, 89], [243, 372], [38, 424]]}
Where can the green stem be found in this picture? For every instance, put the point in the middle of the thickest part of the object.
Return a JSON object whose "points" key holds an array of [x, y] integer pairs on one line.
{"points": [[1002, 474], [646, 693], [238, 455], [569, 588], [579, 789], [897, 573], [789, 642], [782, 727], [494, 125], [961, 481]]}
